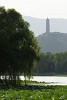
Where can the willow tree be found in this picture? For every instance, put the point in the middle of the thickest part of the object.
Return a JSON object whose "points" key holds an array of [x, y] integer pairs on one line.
{"points": [[18, 45]]}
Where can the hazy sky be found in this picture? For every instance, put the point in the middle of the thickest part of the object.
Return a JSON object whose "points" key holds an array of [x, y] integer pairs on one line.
{"points": [[38, 8]]}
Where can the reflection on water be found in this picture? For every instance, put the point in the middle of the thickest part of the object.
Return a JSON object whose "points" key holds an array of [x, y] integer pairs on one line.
{"points": [[56, 80]]}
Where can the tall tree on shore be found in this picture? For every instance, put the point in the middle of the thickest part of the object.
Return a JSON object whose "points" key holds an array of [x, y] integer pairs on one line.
{"points": [[18, 46]]}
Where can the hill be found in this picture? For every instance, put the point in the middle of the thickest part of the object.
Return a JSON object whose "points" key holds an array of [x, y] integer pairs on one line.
{"points": [[53, 42]]}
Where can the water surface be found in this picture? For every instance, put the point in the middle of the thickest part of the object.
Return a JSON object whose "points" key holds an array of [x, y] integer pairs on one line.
{"points": [[53, 80]]}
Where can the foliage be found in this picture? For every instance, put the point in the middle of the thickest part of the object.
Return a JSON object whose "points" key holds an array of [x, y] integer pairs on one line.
{"points": [[43, 93], [52, 63], [18, 46]]}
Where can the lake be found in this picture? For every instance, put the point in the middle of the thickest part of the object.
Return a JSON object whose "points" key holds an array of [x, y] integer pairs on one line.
{"points": [[53, 80]]}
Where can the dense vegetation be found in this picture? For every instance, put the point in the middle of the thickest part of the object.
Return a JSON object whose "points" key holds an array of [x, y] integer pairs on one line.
{"points": [[34, 93], [18, 46], [51, 64]]}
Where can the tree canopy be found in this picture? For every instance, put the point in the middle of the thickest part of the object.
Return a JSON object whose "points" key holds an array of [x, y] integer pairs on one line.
{"points": [[18, 46], [52, 64]]}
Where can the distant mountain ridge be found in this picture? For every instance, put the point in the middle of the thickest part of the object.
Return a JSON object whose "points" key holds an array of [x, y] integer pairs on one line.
{"points": [[38, 26]]}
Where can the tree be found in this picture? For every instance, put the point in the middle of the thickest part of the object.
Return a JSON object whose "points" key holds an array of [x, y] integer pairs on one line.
{"points": [[60, 60], [18, 46], [46, 64]]}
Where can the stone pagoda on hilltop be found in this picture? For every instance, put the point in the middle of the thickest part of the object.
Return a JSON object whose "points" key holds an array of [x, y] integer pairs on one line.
{"points": [[47, 26]]}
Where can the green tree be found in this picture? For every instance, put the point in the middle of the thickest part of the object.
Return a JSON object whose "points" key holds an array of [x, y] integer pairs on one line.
{"points": [[18, 46], [60, 60], [46, 64]]}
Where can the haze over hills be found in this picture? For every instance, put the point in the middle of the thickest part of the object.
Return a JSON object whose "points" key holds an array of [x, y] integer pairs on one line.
{"points": [[56, 40], [38, 26]]}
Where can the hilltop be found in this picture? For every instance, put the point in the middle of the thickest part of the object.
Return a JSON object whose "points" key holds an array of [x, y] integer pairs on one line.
{"points": [[53, 42]]}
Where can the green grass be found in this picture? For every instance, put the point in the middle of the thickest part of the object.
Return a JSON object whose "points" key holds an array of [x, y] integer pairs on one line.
{"points": [[34, 93]]}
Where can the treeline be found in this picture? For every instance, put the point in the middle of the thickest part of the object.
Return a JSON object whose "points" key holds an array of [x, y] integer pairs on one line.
{"points": [[52, 64]]}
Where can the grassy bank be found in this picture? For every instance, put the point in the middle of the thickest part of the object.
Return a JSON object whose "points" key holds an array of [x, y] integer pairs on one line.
{"points": [[33, 93]]}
